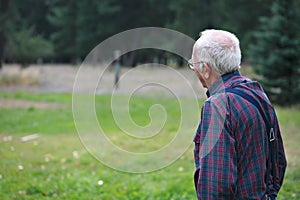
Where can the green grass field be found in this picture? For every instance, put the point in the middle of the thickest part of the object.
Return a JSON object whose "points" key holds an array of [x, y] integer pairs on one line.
{"points": [[56, 165]]}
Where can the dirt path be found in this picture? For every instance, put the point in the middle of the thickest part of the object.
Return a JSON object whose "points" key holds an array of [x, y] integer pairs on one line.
{"points": [[60, 78], [16, 103]]}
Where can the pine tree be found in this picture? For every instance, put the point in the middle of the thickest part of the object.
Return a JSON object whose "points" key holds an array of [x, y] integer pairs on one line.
{"points": [[95, 23], [275, 53], [64, 17], [25, 47], [4, 8], [22, 43]]}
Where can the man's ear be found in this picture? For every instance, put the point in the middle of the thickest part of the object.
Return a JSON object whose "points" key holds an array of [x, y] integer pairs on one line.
{"points": [[206, 70]]}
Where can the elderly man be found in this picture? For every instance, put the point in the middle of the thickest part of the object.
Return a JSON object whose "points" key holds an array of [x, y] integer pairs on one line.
{"points": [[238, 147]]}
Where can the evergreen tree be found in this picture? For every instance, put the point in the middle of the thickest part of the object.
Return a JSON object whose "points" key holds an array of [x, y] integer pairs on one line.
{"points": [[275, 54], [34, 14], [25, 47], [22, 42], [80, 26], [4, 8], [95, 23], [242, 17], [63, 16], [193, 16]]}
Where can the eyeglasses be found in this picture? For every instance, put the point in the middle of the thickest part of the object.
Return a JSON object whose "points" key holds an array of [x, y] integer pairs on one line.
{"points": [[192, 65]]}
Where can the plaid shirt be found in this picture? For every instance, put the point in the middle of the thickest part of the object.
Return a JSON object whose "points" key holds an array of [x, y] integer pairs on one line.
{"points": [[231, 146]]}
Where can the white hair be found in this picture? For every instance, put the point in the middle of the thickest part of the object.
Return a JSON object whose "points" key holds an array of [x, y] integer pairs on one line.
{"points": [[219, 49]]}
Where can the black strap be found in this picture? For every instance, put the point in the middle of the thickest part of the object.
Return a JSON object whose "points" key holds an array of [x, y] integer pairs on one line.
{"points": [[269, 130]]}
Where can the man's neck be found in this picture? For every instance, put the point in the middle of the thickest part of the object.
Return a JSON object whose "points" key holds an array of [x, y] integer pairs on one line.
{"points": [[214, 76]]}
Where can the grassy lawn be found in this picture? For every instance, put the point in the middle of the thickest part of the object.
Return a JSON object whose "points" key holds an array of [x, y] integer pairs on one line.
{"points": [[56, 165]]}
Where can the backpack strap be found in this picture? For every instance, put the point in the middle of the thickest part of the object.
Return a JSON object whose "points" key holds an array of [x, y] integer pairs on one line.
{"points": [[269, 130]]}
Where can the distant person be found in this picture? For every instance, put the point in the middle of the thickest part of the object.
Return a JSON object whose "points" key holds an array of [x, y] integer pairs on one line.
{"points": [[117, 55], [238, 151]]}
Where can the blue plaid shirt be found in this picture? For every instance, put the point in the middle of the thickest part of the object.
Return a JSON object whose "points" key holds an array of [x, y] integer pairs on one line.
{"points": [[231, 149]]}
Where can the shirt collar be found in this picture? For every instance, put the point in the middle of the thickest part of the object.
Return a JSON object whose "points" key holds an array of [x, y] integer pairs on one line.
{"points": [[219, 84]]}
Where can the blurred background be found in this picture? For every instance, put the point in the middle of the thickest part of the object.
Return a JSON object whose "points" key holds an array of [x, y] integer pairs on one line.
{"points": [[44, 42], [65, 31]]}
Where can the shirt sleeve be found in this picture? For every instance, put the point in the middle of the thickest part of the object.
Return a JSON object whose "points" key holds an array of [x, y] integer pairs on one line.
{"points": [[217, 171]]}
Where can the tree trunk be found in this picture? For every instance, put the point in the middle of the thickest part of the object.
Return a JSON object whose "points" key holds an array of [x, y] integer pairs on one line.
{"points": [[3, 11]]}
